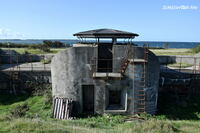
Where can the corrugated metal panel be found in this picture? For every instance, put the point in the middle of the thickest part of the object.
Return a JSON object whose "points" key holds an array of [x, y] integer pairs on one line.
{"points": [[62, 108]]}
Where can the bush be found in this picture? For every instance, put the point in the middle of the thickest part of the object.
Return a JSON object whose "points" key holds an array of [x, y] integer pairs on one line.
{"points": [[53, 44], [16, 45], [20, 110], [47, 61], [196, 49], [48, 96], [101, 121], [34, 46], [47, 43], [26, 52], [45, 48], [58, 44]]}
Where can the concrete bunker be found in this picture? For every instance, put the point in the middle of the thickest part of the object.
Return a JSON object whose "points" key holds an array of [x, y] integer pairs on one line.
{"points": [[107, 76]]}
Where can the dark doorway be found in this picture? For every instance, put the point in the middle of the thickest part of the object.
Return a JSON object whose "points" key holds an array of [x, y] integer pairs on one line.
{"points": [[105, 57], [114, 97], [88, 98]]}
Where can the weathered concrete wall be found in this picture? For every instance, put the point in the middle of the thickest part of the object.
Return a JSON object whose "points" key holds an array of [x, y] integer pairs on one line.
{"points": [[71, 68], [25, 77], [178, 59], [153, 69], [181, 84]]}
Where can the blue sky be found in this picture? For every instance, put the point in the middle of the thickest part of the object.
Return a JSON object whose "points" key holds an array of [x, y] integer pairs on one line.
{"points": [[59, 19]]}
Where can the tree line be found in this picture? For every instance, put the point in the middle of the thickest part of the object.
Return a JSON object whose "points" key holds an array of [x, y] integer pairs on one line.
{"points": [[46, 43]]}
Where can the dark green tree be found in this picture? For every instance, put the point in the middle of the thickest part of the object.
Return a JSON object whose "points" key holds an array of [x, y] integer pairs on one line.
{"points": [[48, 43]]}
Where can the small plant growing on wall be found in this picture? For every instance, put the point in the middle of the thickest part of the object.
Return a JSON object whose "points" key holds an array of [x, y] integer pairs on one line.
{"points": [[46, 61]]}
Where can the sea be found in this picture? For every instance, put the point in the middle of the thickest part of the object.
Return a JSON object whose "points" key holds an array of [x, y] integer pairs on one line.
{"points": [[156, 44]]}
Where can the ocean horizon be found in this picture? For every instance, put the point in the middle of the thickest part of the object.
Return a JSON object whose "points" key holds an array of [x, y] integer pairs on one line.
{"points": [[157, 44]]}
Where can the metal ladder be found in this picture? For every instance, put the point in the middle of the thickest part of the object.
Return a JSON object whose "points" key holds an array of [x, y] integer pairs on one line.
{"points": [[140, 85]]}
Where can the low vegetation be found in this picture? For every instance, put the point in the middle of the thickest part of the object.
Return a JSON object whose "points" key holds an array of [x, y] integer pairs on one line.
{"points": [[172, 51], [34, 51], [196, 49], [46, 43], [46, 61], [31, 113], [180, 65], [46, 47]]}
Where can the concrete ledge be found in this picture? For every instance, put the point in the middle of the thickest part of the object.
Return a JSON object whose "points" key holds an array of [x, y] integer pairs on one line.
{"points": [[137, 60], [114, 111], [103, 75]]}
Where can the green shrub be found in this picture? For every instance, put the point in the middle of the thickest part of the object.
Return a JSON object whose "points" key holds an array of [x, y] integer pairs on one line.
{"points": [[180, 65], [44, 48], [101, 121], [20, 110], [48, 96], [47, 61], [196, 49], [26, 52]]}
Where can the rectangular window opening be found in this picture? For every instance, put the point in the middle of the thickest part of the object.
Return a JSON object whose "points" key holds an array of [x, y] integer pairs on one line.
{"points": [[105, 57], [116, 101], [114, 97]]}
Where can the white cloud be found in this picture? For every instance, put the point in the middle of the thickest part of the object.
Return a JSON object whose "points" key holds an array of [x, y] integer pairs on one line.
{"points": [[9, 34]]}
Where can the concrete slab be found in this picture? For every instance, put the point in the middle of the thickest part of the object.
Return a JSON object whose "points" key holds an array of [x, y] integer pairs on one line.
{"points": [[137, 60], [103, 75]]}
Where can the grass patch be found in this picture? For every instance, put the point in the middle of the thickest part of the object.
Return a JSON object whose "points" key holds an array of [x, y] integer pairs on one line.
{"points": [[46, 61], [36, 104], [196, 49], [34, 51], [101, 121], [172, 51], [173, 117], [178, 65], [58, 126], [38, 119]]}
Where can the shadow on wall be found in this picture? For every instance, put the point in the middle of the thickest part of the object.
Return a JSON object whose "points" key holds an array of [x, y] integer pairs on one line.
{"points": [[179, 96], [26, 82], [167, 59], [178, 108], [6, 99]]}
